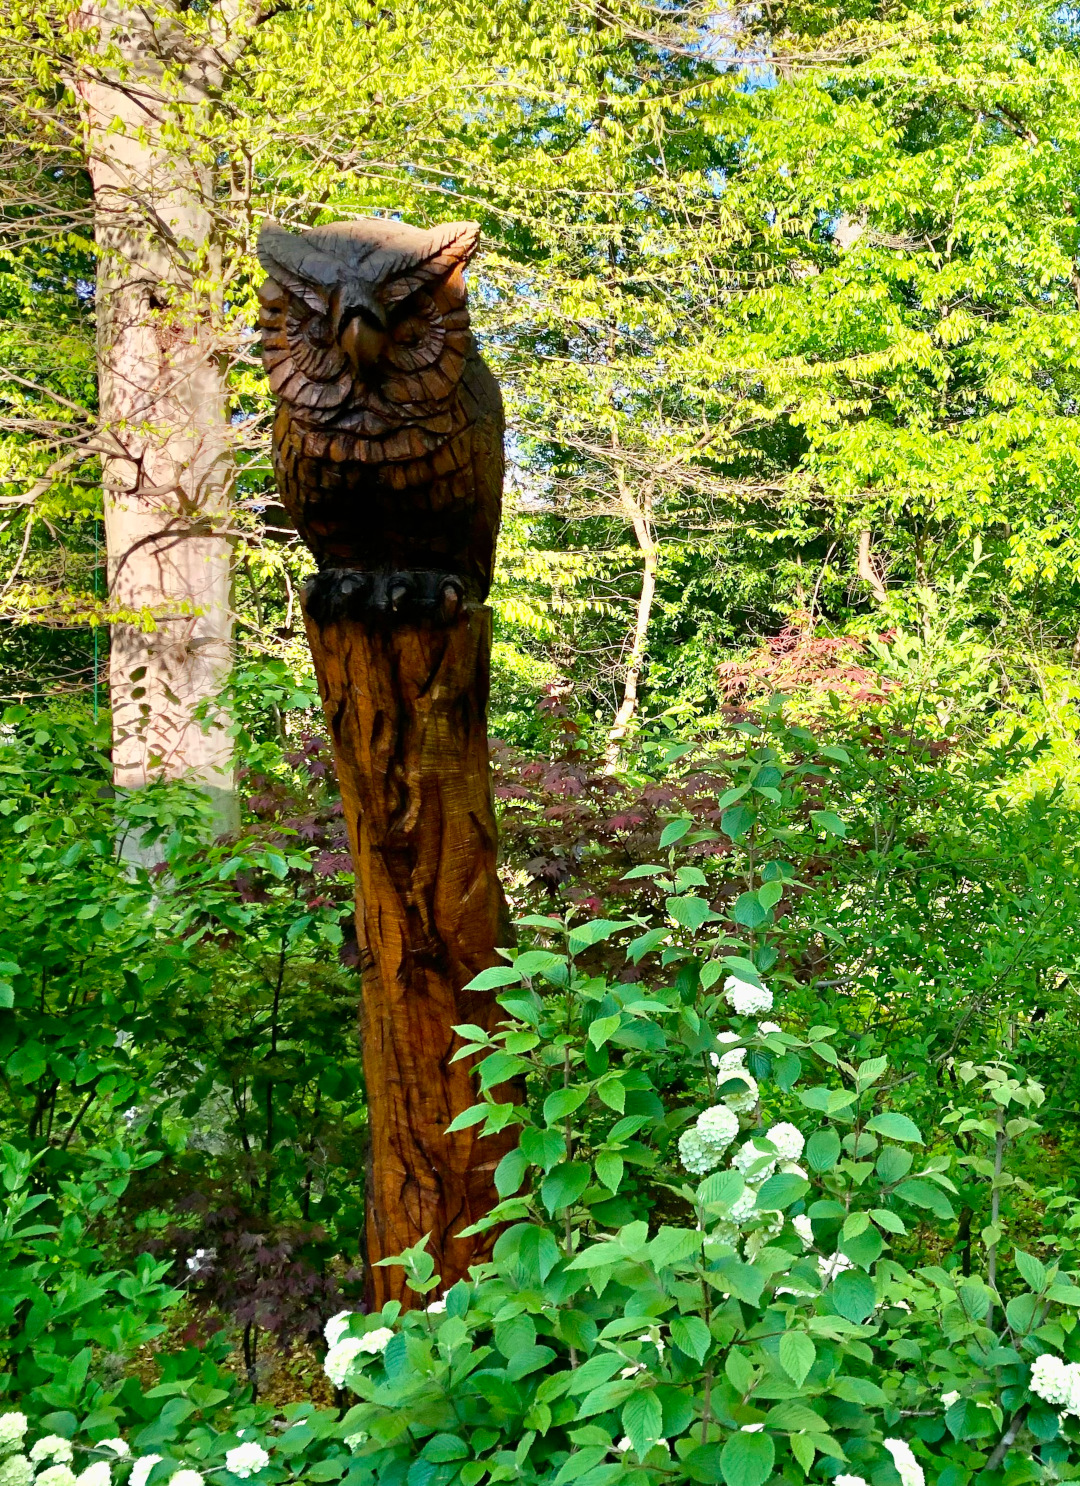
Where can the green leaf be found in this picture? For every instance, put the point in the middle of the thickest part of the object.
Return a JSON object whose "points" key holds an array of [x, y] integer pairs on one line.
{"points": [[863, 1249], [610, 1169], [736, 1278], [469, 1117], [925, 1194], [1032, 1270], [510, 1173], [690, 912], [543, 1147], [529, 1360], [595, 932], [674, 831], [748, 1459], [442, 1447], [781, 1191], [644, 871], [643, 1421], [748, 911], [797, 1355], [603, 1027], [823, 1150], [829, 822], [895, 1127], [537, 962], [853, 1295], [563, 1102], [564, 1184], [691, 1335], [498, 975]]}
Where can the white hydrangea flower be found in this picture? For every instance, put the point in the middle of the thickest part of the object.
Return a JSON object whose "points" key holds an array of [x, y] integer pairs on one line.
{"points": [[437, 1307], [774, 1224], [56, 1475], [792, 1168], [717, 1128], [1056, 1382], [907, 1467], [754, 1161], [767, 1029], [97, 1473], [52, 1447], [355, 1440], [141, 1469], [788, 1140], [751, 1428], [246, 1460], [745, 999], [848, 1481], [117, 1446], [336, 1327], [743, 1100], [832, 1266], [744, 1206], [340, 1358], [693, 1154], [624, 1445], [633, 1370], [12, 1429], [186, 1478], [948, 1399], [16, 1471], [730, 1061], [805, 1229]]}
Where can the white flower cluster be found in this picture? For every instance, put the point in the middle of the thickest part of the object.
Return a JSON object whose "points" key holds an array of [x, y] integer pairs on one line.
{"points": [[16, 1471], [52, 1447], [1056, 1382], [907, 1467], [246, 1460], [336, 1327], [745, 999], [702, 1148], [145, 1464], [848, 1481], [141, 1469], [12, 1429], [787, 1139], [344, 1353]]}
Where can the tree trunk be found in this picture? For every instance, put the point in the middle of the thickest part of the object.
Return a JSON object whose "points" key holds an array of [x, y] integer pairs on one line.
{"points": [[866, 569], [167, 468], [407, 710], [640, 519]]}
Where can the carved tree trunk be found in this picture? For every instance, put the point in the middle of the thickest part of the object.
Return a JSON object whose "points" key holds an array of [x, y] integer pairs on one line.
{"points": [[407, 710], [167, 462]]}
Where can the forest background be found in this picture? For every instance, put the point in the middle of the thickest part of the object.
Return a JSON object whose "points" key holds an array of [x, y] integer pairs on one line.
{"points": [[784, 304]]}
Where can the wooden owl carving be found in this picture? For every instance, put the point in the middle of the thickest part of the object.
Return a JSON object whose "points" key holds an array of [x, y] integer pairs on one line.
{"points": [[388, 440]]}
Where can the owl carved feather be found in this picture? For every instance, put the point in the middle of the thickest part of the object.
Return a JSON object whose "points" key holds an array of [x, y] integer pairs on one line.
{"points": [[388, 439]]}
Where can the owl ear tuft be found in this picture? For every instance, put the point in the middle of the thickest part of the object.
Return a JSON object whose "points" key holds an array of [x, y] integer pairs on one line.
{"points": [[302, 269], [447, 248]]}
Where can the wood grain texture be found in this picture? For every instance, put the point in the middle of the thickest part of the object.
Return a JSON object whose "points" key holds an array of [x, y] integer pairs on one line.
{"points": [[406, 706]]}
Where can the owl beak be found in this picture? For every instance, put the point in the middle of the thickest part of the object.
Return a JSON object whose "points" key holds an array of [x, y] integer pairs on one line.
{"points": [[362, 343]]}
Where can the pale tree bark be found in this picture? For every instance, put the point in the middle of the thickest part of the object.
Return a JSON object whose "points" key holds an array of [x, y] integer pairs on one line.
{"points": [[168, 464], [639, 515], [866, 569]]}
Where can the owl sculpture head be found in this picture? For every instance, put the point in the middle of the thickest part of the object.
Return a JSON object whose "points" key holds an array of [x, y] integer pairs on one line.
{"points": [[371, 312]]}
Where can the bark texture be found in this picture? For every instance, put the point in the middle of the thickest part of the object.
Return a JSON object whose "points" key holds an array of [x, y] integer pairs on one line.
{"points": [[407, 709], [167, 463], [639, 515]]}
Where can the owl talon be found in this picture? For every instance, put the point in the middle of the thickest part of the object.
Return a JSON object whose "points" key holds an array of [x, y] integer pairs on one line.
{"points": [[423, 597]]}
